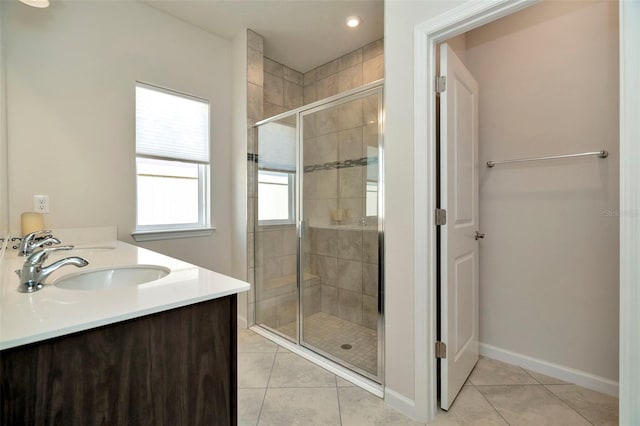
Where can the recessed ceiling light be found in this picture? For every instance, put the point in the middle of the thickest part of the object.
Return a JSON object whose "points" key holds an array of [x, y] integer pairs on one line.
{"points": [[353, 21], [36, 3]]}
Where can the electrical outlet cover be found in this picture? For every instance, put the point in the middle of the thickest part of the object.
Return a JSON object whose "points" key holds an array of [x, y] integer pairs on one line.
{"points": [[41, 203]]}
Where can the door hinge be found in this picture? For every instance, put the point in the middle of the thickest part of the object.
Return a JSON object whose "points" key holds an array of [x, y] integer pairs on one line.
{"points": [[441, 217], [441, 350], [441, 84]]}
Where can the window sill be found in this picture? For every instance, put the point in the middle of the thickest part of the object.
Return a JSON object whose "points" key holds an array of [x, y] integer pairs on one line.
{"points": [[168, 234]]}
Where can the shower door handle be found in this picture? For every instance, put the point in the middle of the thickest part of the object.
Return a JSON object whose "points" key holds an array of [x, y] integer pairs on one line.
{"points": [[301, 229], [479, 236]]}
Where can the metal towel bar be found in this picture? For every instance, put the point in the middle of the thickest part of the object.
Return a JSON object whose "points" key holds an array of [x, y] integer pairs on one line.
{"points": [[600, 154]]}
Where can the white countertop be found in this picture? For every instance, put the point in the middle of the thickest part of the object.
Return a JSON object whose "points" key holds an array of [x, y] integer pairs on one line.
{"points": [[52, 311]]}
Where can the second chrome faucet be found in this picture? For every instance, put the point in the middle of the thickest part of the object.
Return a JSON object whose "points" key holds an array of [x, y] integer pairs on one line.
{"points": [[30, 242]]}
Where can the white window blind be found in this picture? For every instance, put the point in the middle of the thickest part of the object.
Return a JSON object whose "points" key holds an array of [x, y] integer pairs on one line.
{"points": [[277, 147], [171, 125]]}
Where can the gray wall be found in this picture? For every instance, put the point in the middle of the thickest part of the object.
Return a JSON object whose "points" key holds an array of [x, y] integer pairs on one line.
{"points": [[401, 336], [549, 281], [4, 200], [403, 340], [70, 82], [239, 237]]}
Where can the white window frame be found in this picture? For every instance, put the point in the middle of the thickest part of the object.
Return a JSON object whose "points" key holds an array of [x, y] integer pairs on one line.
{"points": [[366, 199], [180, 230], [292, 194]]}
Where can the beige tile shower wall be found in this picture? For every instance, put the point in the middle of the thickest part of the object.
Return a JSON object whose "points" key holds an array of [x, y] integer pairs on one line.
{"points": [[348, 284], [352, 70], [346, 261], [273, 256], [340, 133], [276, 277], [282, 88]]}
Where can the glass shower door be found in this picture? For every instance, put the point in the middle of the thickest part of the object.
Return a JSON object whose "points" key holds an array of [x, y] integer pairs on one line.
{"points": [[340, 312], [276, 240]]}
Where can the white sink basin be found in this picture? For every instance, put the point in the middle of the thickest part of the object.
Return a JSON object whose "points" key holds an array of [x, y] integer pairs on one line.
{"points": [[105, 278]]}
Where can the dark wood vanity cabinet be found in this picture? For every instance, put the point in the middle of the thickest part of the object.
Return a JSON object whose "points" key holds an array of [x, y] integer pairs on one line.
{"points": [[176, 367]]}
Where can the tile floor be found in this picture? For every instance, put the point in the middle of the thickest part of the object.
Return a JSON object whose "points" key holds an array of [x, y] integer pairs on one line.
{"points": [[328, 333], [277, 387]]}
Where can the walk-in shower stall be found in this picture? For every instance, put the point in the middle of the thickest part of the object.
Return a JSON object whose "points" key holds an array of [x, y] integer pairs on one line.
{"points": [[319, 228]]}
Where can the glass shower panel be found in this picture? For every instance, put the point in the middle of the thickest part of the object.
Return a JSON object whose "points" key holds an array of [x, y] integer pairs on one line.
{"points": [[276, 241], [339, 311]]}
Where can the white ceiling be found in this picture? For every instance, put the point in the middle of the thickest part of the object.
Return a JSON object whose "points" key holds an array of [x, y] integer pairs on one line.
{"points": [[301, 34]]}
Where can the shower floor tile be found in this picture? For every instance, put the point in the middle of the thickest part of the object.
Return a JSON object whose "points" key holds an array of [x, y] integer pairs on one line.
{"points": [[329, 333]]}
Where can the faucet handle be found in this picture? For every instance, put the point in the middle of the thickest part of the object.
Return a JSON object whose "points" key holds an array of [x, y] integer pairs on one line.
{"points": [[26, 243], [33, 234], [50, 240], [39, 257]]}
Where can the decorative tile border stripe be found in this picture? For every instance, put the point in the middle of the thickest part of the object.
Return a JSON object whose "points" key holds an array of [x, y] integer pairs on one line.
{"points": [[364, 161]]}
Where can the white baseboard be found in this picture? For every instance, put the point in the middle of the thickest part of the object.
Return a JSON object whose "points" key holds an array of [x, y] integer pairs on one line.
{"points": [[578, 377], [400, 402]]}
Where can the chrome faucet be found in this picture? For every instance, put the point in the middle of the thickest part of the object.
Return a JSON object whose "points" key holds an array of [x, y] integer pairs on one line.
{"points": [[28, 244], [33, 272]]}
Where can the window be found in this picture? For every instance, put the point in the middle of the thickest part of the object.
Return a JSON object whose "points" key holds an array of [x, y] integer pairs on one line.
{"points": [[276, 200], [372, 199], [172, 164], [276, 173]]}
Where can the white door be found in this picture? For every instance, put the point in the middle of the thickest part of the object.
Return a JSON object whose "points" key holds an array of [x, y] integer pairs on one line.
{"points": [[459, 245]]}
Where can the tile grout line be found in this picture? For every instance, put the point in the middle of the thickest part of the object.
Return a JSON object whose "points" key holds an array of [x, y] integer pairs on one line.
{"points": [[515, 384], [545, 386], [302, 387], [275, 354], [567, 404], [492, 406], [530, 375], [554, 395], [338, 399]]}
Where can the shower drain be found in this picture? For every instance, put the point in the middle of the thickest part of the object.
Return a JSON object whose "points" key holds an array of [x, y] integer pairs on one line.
{"points": [[346, 346]]}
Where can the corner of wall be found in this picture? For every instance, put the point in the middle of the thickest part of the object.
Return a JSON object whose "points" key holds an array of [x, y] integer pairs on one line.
{"points": [[238, 167], [4, 176], [400, 402]]}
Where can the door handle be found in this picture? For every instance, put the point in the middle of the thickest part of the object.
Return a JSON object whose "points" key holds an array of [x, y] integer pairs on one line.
{"points": [[479, 236]]}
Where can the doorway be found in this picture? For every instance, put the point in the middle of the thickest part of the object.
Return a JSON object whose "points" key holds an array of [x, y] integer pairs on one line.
{"points": [[543, 280]]}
